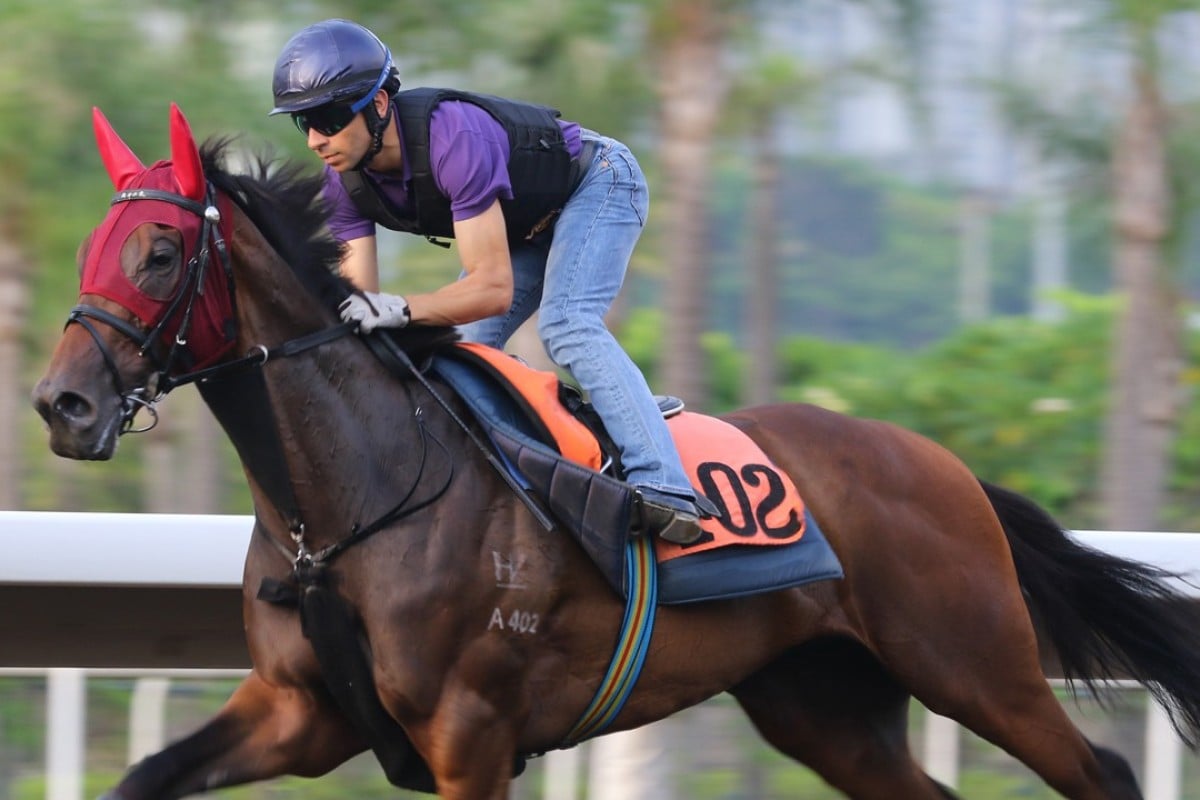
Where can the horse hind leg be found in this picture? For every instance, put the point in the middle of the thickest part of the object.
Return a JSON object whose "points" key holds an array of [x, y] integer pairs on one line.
{"points": [[1118, 768], [1032, 726], [830, 706], [995, 688]]}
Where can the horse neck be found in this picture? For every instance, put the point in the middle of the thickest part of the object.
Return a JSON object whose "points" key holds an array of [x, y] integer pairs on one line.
{"points": [[337, 423]]}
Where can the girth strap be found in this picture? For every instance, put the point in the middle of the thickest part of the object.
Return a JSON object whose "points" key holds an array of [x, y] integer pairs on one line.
{"points": [[637, 628]]}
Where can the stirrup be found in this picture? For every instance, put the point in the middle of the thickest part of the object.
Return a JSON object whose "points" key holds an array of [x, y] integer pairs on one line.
{"points": [[668, 405]]}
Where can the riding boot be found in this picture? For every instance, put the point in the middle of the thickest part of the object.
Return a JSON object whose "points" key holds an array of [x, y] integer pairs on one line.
{"points": [[674, 519]]}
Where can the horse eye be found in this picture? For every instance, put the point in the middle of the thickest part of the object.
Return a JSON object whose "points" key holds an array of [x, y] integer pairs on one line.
{"points": [[162, 257]]}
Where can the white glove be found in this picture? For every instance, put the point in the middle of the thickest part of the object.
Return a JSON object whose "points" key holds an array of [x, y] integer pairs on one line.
{"points": [[373, 310]]}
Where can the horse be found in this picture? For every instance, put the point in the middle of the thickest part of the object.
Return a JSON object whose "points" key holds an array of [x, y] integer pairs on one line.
{"points": [[229, 280]]}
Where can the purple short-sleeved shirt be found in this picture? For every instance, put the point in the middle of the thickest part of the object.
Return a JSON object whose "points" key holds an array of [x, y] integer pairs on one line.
{"points": [[468, 154]]}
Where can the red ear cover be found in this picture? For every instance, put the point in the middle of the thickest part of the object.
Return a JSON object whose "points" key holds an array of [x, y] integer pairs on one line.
{"points": [[122, 165], [185, 157]]}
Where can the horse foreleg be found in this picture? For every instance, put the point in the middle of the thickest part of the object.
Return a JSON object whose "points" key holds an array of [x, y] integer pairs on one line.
{"points": [[263, 731], [470, 746]]}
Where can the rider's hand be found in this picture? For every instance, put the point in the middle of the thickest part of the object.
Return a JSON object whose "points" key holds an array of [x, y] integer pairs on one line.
{"points": [[375, 310]]}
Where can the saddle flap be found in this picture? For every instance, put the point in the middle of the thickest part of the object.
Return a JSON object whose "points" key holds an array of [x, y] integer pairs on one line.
{"points": [[528, 399]]}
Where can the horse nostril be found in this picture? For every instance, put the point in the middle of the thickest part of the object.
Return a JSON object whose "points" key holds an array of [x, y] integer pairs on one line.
{"points": [[71, 407]]}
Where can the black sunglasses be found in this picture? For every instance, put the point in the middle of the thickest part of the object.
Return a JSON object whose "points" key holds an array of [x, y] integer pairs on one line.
{"points": [[325, 120]]}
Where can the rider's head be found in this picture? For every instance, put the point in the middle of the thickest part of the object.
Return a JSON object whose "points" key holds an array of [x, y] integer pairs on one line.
{"points": [[331, 72]]}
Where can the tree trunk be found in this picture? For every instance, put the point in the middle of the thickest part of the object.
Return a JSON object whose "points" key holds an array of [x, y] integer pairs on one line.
{"points": [[691, 89], [975, 240], [762, 256], [1049, 255], [181, 458], [159, 455], [14, 306], [199, 458], [1148, 346]]}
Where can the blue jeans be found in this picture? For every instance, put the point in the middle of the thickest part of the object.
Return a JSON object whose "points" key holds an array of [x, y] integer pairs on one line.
{"points": [[571, 280]]}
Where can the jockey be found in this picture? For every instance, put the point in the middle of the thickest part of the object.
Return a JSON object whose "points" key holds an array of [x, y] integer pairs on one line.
{"points": [[546, 214]]}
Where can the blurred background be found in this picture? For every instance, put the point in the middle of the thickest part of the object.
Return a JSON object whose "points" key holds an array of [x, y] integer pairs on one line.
{"points": [[975, 218]]}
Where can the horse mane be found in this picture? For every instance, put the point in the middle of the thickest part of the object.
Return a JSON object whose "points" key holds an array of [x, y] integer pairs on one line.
{"points": [[284, 200]]}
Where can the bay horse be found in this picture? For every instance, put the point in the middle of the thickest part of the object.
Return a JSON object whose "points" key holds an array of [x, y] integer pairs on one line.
{"points": [[229, 280]]}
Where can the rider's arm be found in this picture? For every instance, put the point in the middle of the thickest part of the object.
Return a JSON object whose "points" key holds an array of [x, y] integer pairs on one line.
{"points": [[486, 287], [360, 260], [360, 263]]}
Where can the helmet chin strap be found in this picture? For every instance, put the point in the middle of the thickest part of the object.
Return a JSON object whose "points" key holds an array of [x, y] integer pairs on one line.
{"points": [[376, 124]]}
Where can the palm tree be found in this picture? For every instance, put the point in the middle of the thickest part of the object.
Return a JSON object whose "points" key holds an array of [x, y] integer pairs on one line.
{"points": [[1148, 357], [14, 301], [769, 87], [19, 169], [1146, 209], [689, 38]]}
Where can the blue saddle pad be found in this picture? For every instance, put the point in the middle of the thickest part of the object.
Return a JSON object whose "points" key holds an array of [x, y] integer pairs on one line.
{"points": [[737, 571]]}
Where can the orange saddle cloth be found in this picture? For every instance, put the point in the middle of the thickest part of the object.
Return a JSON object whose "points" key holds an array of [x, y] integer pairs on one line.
{"points": [[758, 502]]}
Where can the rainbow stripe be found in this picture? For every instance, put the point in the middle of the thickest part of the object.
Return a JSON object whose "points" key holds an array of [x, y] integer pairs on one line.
{"points": [[641, 604]]}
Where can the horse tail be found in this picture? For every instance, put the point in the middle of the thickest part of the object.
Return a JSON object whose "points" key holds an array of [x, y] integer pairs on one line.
{"points": [[1107, 617]]}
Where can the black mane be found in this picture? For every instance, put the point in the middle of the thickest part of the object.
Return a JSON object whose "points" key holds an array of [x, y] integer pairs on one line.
{"points": [[283, 199]]}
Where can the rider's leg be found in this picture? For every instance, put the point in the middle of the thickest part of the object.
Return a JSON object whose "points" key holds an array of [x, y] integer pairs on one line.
{"points": [[593, 241]]}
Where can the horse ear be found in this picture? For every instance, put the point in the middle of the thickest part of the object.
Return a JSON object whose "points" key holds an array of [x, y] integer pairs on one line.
{"points": [[122, 165], [185, 157]]}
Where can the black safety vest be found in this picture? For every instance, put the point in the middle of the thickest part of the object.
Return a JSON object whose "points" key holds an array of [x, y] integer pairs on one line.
{"points": [[539, 167]]}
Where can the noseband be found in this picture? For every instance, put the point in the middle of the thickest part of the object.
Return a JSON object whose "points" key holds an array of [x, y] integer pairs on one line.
{"points": [[191, 287]]}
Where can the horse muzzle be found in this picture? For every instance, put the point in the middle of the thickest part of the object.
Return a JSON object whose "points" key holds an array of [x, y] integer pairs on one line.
{"points": [[81, 426], [83, 409]]}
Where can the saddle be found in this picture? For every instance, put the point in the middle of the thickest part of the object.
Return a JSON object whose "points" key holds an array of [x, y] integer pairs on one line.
{"points": [[760, 538]]}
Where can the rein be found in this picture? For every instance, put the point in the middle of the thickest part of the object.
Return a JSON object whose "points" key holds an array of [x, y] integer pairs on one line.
{"points": [[232, 406], [385, 348], [306, 559], [261, 354]]}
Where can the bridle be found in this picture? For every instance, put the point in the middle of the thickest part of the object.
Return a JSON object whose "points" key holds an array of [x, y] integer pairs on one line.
{"points": [[163, 379], [191, 287]]}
